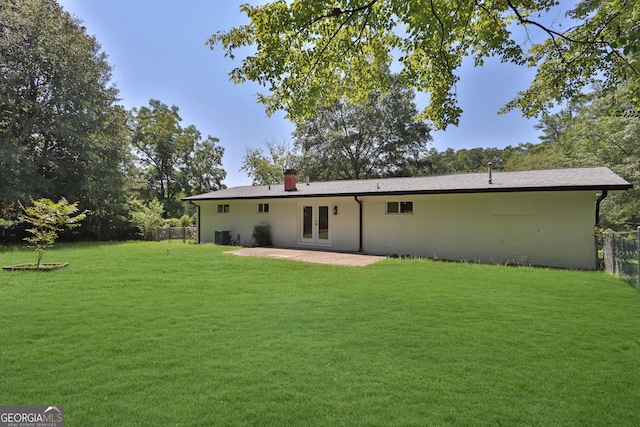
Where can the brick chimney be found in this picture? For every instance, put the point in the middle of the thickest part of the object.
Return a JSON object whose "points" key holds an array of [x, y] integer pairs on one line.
{"points": [[290, 180]]}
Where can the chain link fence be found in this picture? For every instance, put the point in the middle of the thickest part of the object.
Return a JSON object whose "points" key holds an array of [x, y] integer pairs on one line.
{"points": [[174, 233], [622, 255]]}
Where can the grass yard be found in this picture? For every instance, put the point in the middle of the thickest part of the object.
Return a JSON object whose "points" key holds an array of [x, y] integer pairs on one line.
{"points": [[128, 336]]}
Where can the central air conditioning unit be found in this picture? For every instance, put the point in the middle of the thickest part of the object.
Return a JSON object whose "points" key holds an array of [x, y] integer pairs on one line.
{"points": [[222, 237]]}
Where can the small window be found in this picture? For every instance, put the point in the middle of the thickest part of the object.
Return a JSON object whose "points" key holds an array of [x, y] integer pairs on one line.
{"points": [[223, 208], [399, 207], [406, 207], [263, 207]]}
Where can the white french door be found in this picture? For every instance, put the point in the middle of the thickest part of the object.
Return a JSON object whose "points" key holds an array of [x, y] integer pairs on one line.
{"points": [[314, 224]]}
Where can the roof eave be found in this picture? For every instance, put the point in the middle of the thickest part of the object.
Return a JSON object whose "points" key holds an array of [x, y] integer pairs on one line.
{"points": [[296, 195]]}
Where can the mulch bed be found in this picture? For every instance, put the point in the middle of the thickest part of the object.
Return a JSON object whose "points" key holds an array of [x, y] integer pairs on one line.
{"points": [[35, 267]]}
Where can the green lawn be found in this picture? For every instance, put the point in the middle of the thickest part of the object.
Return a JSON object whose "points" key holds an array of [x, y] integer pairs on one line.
{"points": [[128, 336]]}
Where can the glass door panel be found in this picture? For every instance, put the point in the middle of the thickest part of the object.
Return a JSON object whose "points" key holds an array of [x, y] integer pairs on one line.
{"points": [[315, 224], [307, 222], [323, 222]]}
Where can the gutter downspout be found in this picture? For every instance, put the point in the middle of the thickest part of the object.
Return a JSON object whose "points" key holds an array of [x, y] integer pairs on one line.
{"points": [[359, 224], [197, 221], [603, 196], [600, 199]]}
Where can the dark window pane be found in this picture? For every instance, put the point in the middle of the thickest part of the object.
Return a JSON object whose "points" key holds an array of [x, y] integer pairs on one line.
{"points": [[406, 207], [307, 222], [323, 222]]}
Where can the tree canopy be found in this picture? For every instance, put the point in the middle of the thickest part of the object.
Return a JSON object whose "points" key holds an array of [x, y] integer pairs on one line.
{"points": [[600, 130], [374, 137], [268, 168], [62, 133], [378, 136], [312, 53], [175, 161]]}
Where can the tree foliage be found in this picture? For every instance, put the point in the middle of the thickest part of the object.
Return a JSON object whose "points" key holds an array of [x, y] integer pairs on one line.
{"points": [[268, 168], [47, 220], [377, 136], [146, 217], [175, 160], [311, 54], [601, 49], [465, 160], [61, 130], [600, 130]]}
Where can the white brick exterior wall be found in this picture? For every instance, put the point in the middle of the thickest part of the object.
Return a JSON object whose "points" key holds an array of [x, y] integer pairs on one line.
{"points": [[552, 229]]}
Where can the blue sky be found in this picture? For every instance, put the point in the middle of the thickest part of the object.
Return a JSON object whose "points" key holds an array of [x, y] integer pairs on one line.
{"points": [[157, 51]]}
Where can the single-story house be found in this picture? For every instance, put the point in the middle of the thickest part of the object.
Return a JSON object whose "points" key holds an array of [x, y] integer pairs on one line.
{"points": [[542, 217]]}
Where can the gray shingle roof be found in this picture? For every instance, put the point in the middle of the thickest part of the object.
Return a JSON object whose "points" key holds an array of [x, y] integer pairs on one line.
{"points": [[599, 178]]}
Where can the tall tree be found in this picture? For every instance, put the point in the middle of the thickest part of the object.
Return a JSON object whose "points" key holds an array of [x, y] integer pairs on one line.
{"points": [[312, 53], [204, 171], [469, 160], [62, 133], [377, 136], [530, 156], [601, 130], [605, 132], [268, 168], [176, 161]]}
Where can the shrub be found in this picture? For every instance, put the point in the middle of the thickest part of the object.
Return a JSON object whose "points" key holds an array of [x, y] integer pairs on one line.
{"points": [[172, 222], [262, 235], [186, 221], [146, 217]]}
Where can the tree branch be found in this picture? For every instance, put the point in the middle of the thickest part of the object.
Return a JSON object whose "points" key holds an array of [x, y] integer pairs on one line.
{"points": [[442, 34], [335, 12], [554, 35], [364, 25]]}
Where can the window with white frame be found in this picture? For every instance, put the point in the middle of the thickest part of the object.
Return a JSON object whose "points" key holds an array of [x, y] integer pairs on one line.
{"points": [[223, 208], [263, 207]]}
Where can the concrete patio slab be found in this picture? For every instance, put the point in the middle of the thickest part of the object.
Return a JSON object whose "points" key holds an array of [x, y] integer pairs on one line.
{"points": [[318, 257]]}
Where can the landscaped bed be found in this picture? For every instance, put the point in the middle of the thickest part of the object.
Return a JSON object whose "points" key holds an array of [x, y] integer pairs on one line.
{"points": [[132, 336], [36, 267]]}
